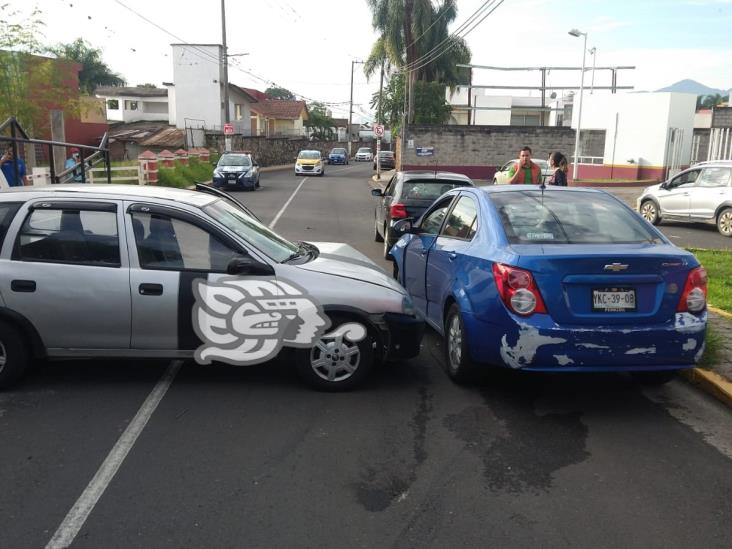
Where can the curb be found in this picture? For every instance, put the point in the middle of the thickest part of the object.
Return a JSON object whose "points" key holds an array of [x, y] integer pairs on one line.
{"points": [[711, 383], [720, 312]]}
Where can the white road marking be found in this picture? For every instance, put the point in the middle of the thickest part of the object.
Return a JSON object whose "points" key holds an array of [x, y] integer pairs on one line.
{"points": [[292, 196], [83, 507]]}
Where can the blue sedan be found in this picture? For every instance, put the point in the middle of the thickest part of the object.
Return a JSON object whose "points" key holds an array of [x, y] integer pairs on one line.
{"points": [[561, 279], [338, 155]]}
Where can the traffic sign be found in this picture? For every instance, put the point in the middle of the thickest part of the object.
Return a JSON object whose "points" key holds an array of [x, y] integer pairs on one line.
{"points": [[228, 129], [378, 130], [425, 151]]}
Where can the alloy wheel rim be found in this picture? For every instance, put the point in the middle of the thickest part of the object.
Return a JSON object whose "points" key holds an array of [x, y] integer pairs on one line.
{"points": [[725, 223], [455, 343], [3, 356], [648, 211], [335, 360]]}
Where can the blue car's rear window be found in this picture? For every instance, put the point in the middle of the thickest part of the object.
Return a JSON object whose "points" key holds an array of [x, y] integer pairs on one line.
{"points": [[567, 217]]}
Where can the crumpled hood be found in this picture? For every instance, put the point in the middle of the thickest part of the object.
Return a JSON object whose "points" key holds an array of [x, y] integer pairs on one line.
{"points": [[342, 260]]}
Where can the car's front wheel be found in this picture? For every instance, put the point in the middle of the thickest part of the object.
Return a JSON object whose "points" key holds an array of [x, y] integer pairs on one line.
{"points": [[724, 222], [649, 211], [458, 365], [341, 359], [14, 356]]}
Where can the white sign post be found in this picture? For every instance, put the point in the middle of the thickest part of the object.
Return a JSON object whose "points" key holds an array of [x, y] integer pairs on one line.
{"points": [[228, 132], [379, 133]]}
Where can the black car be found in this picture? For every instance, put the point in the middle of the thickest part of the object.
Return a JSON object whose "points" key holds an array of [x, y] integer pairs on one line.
{"points": [[409, 194], [387, 160], [236, 170]]}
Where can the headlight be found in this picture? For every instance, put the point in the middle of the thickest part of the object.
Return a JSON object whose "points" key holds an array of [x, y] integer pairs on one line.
{"points": [[217, 173]]}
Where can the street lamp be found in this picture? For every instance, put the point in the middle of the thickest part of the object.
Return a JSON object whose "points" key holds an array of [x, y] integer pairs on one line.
{"points": [[592, 51], [576, 33]]}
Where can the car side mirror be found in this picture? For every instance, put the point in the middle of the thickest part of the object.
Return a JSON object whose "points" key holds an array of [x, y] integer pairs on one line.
{"points": [[377, 192], [665, 185], [405, 226], [247, 265], [256, 164]]}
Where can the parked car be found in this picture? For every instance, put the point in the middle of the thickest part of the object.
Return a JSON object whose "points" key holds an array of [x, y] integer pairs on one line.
{"points": [[563, 280], [700, 194], [364, 154], [409, 194], [338, 156], [236, 171], [501, 176], [309, 163], [387, 160], [109, 270]]}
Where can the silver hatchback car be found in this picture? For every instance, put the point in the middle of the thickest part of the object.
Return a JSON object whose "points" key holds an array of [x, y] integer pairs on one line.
{"points": [[700, 194], [118, 271]]}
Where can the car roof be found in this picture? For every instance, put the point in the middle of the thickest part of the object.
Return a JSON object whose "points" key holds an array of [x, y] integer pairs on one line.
{"points": [[309, 151], [712, 163], [490, 189], [119, 192], [425, 174]]}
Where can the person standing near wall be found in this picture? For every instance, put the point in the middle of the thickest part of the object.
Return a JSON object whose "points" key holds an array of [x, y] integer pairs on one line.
{"points": [[524, 171], [7, 165], [558, 162]]}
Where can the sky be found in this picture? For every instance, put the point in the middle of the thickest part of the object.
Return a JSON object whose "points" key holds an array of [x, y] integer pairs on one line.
{"points": [[308, 46]]}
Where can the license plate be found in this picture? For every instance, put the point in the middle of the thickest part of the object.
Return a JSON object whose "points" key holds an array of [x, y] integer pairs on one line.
{"points": [[232, 178], [613, 300]]}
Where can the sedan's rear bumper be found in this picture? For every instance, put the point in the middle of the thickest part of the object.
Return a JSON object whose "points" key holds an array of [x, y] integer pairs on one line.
{"points": [[538, 343]]}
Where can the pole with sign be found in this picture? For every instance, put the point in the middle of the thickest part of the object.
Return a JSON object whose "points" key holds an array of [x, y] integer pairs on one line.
{"points": [[228, 132], [379, 133]]}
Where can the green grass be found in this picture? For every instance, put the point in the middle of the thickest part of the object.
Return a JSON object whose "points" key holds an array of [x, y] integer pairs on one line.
{"points": [[712, 349], [718, 264], [184, 176]]}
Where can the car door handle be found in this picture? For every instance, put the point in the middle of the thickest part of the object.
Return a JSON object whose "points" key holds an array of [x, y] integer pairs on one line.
{"points": [[151, 289], [23, 285], [451, 256], [423, 252]]}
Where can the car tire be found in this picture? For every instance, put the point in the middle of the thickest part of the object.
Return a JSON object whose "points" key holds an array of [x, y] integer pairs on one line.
{"points": [[377, 235], [256, 185], [458, 365], [649, 212], [395, 271], [654, 378], [724, 222], [327, 365], [14, 355]]}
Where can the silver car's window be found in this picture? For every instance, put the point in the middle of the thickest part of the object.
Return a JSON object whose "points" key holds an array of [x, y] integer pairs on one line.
{"points": [[568, 218], [7, 213], [461, 223], [714, 177], [70, 236], [687, 179], [430, 189], [264, 239], [167, 243]]}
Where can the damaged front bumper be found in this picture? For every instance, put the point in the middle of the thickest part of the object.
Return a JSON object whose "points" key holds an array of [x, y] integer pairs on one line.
{"points": [[540, 344]]}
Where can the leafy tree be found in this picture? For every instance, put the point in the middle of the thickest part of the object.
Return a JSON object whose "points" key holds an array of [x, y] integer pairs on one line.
{"points": [[321, 125], [429, 99], [714, 100], [147, 85], [29, 82], [392, 106], [277, 92], [94, 71]]}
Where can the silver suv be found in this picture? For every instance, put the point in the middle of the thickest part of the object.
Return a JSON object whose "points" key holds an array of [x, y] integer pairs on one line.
{"points": [[702, 193], [116, 271]]}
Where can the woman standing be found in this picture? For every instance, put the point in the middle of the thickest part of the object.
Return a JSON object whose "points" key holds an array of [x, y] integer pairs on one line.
{"points": [[559, 162]]}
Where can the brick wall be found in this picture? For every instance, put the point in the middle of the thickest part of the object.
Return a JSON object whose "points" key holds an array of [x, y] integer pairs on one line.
{"points": [[478, 150], [722, 117], [273, 151]]}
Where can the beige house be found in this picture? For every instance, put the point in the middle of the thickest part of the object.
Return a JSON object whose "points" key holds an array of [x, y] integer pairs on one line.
{"points": [[277, 117]]}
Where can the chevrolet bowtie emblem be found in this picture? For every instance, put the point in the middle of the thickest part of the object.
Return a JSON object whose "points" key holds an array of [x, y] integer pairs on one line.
{"points": [[615, 267]]}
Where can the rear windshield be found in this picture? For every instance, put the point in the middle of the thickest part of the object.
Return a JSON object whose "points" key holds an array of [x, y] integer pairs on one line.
{"points": [[234, 160], [428, 189], [566, 217]]}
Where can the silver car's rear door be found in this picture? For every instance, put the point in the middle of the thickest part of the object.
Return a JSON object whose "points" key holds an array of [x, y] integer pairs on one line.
{"points": [[63, 268], [712, 189]]}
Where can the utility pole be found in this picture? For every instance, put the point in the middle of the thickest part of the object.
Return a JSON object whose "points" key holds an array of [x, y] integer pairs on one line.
{"points": [[379, 120], [593, 51], [225, 61], [350, 109]]}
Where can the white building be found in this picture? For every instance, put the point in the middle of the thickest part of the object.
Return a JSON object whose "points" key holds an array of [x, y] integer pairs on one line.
{"points": [[646, 135], [134, 104], [197, 93], [476, 108]]}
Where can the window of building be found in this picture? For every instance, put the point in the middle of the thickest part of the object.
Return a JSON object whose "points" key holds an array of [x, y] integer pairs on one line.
{"points": [[130, 105], [113, 104]]}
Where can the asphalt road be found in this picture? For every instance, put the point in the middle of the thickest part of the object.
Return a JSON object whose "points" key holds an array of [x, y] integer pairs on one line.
{"points": [[249, 457]]}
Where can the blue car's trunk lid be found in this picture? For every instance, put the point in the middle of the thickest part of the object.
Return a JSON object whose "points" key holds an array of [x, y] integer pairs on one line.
{"points": [[608, 284]]}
